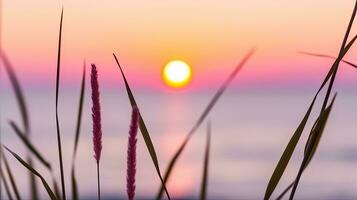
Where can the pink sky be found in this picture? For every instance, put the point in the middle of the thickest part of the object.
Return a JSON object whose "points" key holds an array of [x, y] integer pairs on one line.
{"points": [[209, 35]]}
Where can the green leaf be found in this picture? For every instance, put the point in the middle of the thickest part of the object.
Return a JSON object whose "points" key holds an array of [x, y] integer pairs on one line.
{"points": [[78, 128], [202, 117], [203, 194], [143, 128], [32, 170]]}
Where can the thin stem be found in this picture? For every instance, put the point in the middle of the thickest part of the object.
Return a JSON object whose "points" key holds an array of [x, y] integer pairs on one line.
{"points": [[340, 56], [59, 145], [98, 180]]}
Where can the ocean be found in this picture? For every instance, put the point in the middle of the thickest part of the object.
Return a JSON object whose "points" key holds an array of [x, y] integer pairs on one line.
{"points": [[250, 129]]}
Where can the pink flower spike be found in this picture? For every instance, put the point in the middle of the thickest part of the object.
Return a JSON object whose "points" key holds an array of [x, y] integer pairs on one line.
{"points": [[96, 116], [131, 158]]}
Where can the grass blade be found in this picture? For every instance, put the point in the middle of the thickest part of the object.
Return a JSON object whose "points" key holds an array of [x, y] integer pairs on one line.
{"points": [[57, 121], [56, 188], [335, 64], [143, 129], [17, 90], [6, 185], [285, 191], [340, 56], [285, 158], [280, 168], [313, 143], [32, 170], [203, 194], [35, 152], [290, 148], [80, 111], [30, 146], [75, 195], [11, 177], [20, 98], [327, 56], [33, 183], [202, 117], [305, 154]]}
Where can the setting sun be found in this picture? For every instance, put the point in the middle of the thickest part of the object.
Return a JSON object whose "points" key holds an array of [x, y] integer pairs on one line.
{"points": [[177, 74]]}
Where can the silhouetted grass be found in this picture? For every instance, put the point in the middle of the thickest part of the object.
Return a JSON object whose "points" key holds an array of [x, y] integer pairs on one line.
{"points": [[204, 182], [340, 56], [327, 56], [30, 146], [59, 143], [143, 129], [6, 184], [11, 177], [312, 144], [284, 160], [32, 149], [32, 170], [21, 102], [75, 195]]}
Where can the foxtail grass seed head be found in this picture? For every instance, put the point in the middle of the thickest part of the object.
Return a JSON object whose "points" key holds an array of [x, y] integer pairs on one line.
{"points": [[131, 158], [96, 116]]}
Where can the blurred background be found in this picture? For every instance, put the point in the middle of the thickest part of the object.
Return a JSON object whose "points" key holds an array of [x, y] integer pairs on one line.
{"points": [[251, 124]]}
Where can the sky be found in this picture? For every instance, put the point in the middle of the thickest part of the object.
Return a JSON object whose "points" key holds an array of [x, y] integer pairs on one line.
{"points": [[211, 36]]}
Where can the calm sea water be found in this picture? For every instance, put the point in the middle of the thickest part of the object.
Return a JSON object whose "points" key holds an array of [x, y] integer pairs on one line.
{"points": [[250, 130]]}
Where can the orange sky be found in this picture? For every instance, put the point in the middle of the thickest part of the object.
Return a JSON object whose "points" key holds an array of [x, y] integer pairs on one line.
{"points": [[209, 35]]}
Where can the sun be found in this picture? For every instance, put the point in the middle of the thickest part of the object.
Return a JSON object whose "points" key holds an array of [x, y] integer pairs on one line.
{"points": [[177, 74]]}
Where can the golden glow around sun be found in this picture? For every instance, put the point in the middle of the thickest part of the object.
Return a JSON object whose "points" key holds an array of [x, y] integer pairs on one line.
{"points": [[177, 74]]}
